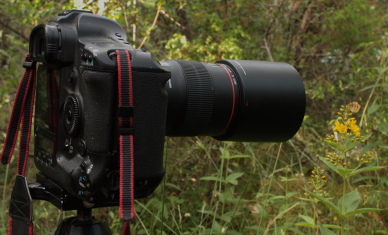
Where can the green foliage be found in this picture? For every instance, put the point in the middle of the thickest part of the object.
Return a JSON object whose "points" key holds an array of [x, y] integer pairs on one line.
{"points": [[340, 49], [347, 136], [351, 24]]}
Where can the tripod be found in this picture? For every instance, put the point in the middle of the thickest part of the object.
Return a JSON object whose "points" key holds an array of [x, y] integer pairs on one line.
{"points": [[82, 224]]}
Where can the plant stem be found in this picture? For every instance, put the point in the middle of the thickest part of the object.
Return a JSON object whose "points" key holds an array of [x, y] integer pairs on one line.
{"points": [[220, 174], [316, 217], [269, 187], [3, 220], [343, 206]]}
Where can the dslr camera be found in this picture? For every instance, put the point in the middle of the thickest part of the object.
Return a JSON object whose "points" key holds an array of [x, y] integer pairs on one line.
{"points": [[77, 113]]}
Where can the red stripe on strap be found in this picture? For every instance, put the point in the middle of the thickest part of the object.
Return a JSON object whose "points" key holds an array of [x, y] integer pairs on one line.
{"points": [[10, 226], [17, 113], [126, 140]]}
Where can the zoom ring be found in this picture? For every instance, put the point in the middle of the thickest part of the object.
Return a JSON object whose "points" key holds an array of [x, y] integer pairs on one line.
{"points": [[200, 97]]}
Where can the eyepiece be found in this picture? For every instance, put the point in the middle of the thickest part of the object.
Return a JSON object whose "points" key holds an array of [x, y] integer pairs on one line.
{"points": [[45, 42]]}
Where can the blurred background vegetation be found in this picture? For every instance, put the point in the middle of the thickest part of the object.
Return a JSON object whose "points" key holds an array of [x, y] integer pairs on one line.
{"points": [[340, 48]]}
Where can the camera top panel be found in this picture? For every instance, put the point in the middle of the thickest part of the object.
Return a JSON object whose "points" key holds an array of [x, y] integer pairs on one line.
{"points": [[68, 11]]}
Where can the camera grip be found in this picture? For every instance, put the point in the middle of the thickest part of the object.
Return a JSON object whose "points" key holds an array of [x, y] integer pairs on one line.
{"points": [[150, 111], [99, 102]]}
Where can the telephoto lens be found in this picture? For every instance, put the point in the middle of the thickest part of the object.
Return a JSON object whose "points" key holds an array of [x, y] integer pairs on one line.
{"points": [[234, 100]]}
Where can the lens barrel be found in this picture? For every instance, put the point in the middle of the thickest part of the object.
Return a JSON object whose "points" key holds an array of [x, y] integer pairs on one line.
{"points": [[235, 100]]}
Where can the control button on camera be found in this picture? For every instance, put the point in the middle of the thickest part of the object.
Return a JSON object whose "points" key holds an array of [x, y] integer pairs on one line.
{"points": [[71, 77], [82, 148], [86, 165], [83, 181], [68, 147], [71, 115]]}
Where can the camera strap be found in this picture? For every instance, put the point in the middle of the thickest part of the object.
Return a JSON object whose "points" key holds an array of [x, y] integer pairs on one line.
{"points": [[21, 211], [125, 97]]}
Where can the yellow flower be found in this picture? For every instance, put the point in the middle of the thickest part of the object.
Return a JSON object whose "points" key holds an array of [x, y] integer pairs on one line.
{"points": [[340, 127], [354, 127]]}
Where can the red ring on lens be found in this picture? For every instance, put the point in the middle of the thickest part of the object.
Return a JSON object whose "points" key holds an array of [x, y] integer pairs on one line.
{"points": [[233, 81]]}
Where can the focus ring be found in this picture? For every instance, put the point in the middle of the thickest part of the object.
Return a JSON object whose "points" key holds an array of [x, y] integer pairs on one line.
{"points": [[200, 97]]}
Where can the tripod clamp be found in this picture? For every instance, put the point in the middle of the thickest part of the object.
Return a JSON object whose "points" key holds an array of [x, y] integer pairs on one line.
{"points": [[21, 209]]}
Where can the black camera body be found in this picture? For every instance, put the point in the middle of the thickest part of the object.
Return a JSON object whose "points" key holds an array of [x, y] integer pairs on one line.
{"points": [[76, 114], [76, 118]]}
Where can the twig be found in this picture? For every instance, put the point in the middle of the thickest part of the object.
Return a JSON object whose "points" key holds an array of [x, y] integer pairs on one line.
{"points": [[152, 27], [269, 186], [14, 30], [277, 217], [170, 17], [282, 169], [268, 49], [363, 116]]}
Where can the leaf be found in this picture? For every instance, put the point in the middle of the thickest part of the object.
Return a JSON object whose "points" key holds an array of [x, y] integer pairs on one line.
{"points": [[366, 136], [224, 153], [362, 210], [385, 146], [373, 108], [383, 127], [290, 194], [370, 87], [364, 178], [308, 219], [208, 212], [173, 186], [352, 200], [216, 228], [326, 202], [381, 232], [365, 169], [382, 70], [285, 179], [317, 226], [302, 224], [305, 199], [213, 178], [228, 216], [280, 197], [329, 164], [335, 145], [332, 226], [326, 231], [344, 172], [232, 178], [235, 156], [295, 230], [351, 145]]}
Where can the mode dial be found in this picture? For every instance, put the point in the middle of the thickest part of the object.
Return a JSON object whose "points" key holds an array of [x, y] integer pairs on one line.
{"points": [[71, 115]]}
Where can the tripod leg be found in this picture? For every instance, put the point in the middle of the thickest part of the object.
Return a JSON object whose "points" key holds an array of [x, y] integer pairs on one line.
{"points": [[83, 224]]}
